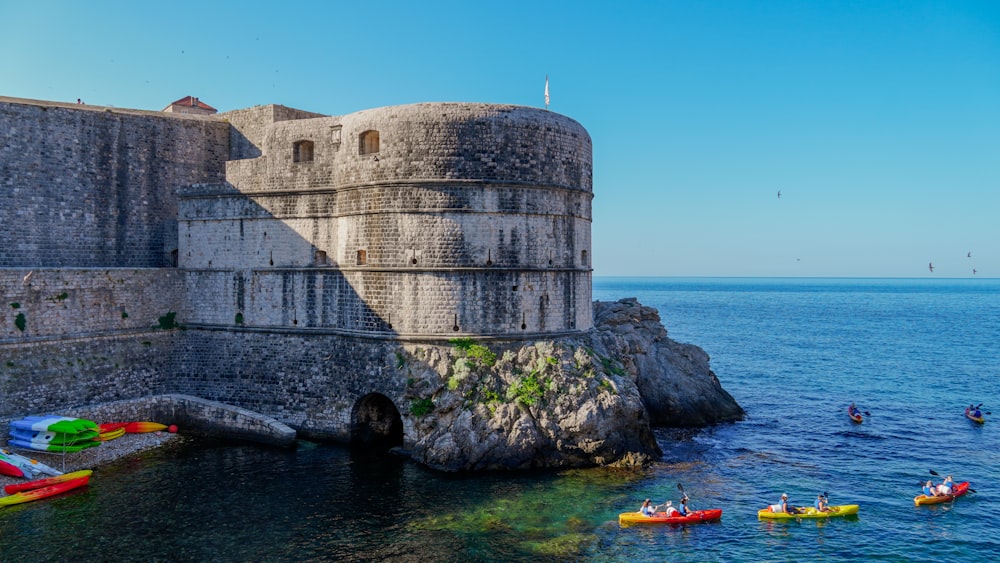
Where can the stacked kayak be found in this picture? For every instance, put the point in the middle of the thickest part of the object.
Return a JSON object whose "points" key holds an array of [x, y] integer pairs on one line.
{"points": [[956, 491], [44, 488], [51, 433], [810, 512], [29, 468], [695, 517]]}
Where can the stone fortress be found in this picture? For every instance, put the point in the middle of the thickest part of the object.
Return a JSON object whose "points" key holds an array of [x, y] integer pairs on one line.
{"points": [[311, 268]]}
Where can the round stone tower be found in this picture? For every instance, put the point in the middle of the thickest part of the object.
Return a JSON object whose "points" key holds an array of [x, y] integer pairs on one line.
{"points": [[419, 221]]}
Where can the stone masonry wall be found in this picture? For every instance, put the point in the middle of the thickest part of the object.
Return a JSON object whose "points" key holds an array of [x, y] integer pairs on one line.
{"points": [[53, 303], [86, 186], [461, 219], [310, 382], [74, 337]]}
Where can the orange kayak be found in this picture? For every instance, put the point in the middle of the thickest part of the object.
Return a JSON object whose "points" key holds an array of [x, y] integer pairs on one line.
{"points": [[44, 492], [956, 491], [39, 483]]}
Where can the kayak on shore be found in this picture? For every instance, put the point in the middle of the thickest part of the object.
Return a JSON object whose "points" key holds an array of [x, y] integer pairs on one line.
{"points": [[44, 492], [48, 481]]}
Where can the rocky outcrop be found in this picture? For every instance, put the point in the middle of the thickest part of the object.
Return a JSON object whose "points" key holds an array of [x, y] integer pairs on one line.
{"points": [[572, 402], [543, 405], [675, 381]]}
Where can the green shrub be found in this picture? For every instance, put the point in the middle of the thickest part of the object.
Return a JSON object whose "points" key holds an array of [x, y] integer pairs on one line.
{"points": [[420, 407], [528, 390], [611, 367], [462, 344], [483, 355], [167, 322]]}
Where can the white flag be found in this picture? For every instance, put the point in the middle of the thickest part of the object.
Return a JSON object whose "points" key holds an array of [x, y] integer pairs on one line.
{"points": [[546, 90]]}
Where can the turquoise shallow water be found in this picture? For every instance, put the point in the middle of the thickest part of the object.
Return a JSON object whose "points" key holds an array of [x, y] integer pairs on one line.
{"points": [[793, 352]]}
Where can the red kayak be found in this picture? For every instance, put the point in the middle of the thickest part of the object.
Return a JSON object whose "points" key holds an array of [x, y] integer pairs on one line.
{"points": [[695, 517], [48, 481], [10, 469], [958, 490], [44, 492]]}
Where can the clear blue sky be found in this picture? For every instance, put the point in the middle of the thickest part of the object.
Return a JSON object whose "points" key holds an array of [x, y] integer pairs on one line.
{"points": [[879, 121]]}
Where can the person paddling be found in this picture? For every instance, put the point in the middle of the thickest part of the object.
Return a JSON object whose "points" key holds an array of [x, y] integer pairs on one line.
{"points": [[929, 489], [946, 486], [821, 503]]}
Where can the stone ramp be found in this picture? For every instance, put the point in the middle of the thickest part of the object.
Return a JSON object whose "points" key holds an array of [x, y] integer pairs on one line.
{"points": [[197, 417]]}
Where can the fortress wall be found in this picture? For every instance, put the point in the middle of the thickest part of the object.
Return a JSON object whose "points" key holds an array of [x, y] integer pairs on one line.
{"points": [[73, 302], [432, 141], [484, 303], [251, 124], [454, 226], [310, 382], [43, 376], [72, 337], [94, 187], [467, 215]]}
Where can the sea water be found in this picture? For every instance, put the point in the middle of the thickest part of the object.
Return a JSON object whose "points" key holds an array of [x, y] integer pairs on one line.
{"points": [[793, 352]]}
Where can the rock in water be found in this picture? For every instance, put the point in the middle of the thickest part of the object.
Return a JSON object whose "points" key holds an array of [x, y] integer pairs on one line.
{"points": [[674, 379]]}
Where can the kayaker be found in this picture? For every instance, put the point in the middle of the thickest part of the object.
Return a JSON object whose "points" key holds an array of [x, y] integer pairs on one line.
{"points": [[647, 508], [685, 510], [853, 410], [929, 489], [782, 505], [821, 504], [945, 487]]}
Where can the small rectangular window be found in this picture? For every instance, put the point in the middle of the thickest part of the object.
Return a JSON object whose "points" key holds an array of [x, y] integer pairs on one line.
{"points": [[362, 257], [368, 142], [302, 151]]}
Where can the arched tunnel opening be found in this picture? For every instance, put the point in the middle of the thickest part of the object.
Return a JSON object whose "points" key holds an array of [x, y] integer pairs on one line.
{"points": [[376, 423]]}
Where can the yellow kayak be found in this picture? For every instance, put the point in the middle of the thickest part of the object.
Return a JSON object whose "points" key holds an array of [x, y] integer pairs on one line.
{"points": [[810, 512]]}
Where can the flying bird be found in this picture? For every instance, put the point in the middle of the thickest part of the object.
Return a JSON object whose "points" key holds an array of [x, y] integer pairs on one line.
{"points": [[969, 255], [931, 266], [973, 271], [779, 194]]}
